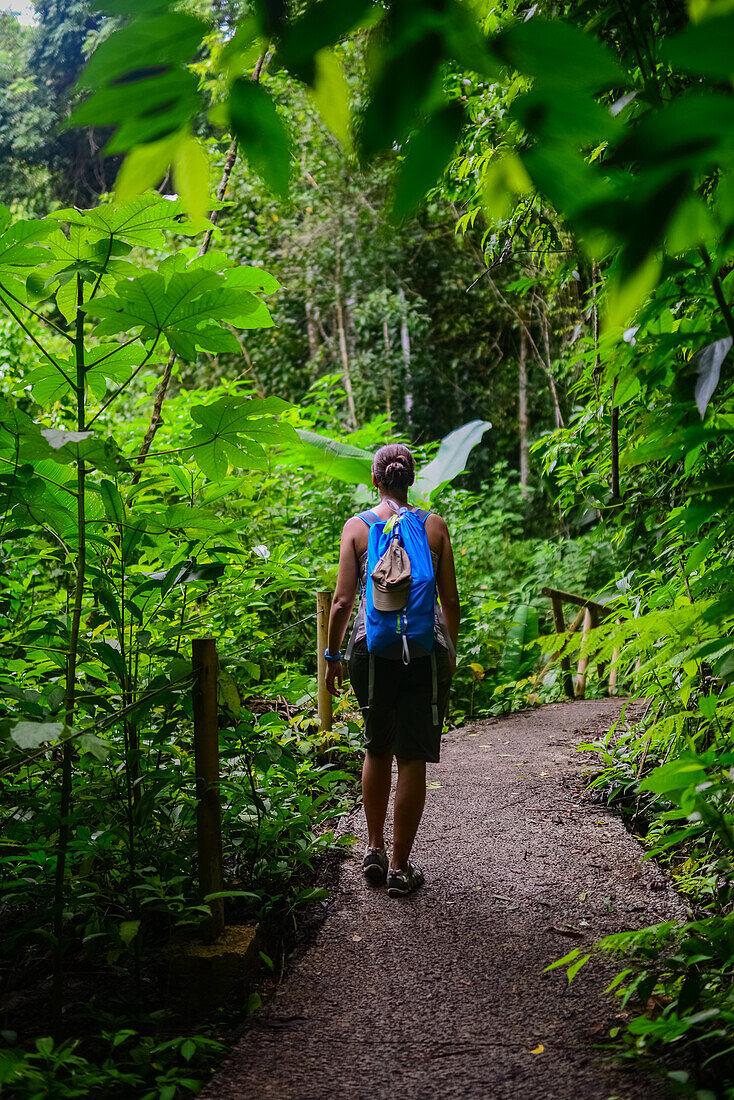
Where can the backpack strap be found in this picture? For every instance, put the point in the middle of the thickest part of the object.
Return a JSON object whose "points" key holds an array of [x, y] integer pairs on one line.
{"points": [[422, 514], [369, 517]]}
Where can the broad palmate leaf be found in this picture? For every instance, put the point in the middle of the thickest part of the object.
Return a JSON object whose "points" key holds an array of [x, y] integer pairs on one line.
{"points": [[232, 432], [184, 310]]}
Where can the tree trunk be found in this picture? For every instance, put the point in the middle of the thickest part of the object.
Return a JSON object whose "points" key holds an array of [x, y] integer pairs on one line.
{"points": [[614, 444], [343, 341], [595, 277], [64, 836], [522, 416], [313, 342], [388, 370], [405, 345], [545, 325]]}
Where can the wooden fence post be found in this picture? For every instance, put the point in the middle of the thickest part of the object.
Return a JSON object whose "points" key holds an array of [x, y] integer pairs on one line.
{"points": [[561, 629], [206, 763], [613, 672], [323, 607], [590, 622]]}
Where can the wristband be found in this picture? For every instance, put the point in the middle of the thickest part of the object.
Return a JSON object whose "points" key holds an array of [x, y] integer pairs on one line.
{"points": [[332, 659]]}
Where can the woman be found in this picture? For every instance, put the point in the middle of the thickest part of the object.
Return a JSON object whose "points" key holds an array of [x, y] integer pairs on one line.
{"points": [[400, 721]]}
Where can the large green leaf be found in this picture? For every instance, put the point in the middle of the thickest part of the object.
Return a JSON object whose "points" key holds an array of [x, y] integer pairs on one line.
{"points": [[105, 362], [142, 222], [330, 456], [703, 48], [403, 88], [522, 632], [451, 458], [233, 433], [148, 42], [708, 366], [184, 310], [321, 25], [426, 156], [556, 53], [31, 735], [261, 133]]}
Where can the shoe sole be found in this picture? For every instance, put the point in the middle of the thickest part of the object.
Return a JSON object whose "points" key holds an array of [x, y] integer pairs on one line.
{"points": [[394, 892], [374, 875]]}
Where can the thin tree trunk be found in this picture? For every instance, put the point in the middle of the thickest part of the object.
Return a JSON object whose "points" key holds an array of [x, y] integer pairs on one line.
{"points": [[614, 444], [595, 275], [543, 310], [533, 346], [388, 372], [313, 343], [57, 995], [343, 340], [522, 416], [405, 345]]}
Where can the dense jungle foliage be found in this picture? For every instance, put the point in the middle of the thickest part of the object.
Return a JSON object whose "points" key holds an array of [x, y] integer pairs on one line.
{"points": [[242, 245]]}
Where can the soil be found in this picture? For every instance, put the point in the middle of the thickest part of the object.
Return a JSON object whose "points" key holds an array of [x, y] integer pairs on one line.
{"points": [[443, 994]]}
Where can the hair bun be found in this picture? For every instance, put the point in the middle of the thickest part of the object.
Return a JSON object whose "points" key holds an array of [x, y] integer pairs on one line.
{"points": [[393, 467]]}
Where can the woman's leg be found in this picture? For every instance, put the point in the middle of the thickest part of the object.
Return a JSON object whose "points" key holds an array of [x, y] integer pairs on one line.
{"points": [[410, 798], [376, 780]]}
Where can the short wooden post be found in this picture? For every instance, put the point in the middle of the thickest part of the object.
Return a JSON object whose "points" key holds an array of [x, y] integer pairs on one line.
{"points": [[590, 621], [561, 629], [206, 764], [613, 671], [324, 698]]}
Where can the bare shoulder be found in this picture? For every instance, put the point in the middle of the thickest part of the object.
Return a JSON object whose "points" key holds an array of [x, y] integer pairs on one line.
{"points": [[352, 528], [436, 525]]}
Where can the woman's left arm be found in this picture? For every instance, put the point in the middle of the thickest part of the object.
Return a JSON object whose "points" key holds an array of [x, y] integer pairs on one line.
{"points": [[343, 602]]}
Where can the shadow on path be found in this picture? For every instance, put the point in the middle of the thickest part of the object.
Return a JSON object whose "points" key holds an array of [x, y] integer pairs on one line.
{"points": [[443, 994]]}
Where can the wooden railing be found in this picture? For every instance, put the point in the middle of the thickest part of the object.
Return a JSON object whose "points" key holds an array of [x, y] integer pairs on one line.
{"points": [[589, 616]]}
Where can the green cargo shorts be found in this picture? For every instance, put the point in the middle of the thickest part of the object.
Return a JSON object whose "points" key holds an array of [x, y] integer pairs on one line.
{"points": [[400, 719]]}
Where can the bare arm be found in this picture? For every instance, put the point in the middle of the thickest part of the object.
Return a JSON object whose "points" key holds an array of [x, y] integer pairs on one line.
{"points": [[343, 602], [446, 579]]}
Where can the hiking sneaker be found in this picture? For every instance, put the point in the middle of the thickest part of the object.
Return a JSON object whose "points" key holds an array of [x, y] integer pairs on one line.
{"points": [[404, 881], [374, 865]]}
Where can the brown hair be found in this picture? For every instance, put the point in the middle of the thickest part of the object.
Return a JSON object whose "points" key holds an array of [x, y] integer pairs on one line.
{"points": [[393, 468]]}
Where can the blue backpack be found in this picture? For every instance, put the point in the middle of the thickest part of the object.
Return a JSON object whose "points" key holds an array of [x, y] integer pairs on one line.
{"points": [[411, 630]]}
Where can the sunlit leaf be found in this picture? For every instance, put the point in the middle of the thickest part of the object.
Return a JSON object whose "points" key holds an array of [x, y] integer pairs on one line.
{"points": [[451, 458], [330, 93], [708, 369], [191, 175]]}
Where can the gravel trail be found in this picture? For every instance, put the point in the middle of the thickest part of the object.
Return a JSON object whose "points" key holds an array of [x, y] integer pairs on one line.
{"points": [[442, 995]]}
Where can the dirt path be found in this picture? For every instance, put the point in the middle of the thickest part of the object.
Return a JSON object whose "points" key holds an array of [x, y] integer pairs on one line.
{"points": [[443, 995]]}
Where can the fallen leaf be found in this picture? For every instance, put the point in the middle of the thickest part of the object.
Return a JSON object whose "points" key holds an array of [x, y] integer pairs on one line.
{"points": [[433, 786], [356, 938], [583, 897], [538, 1050]]}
